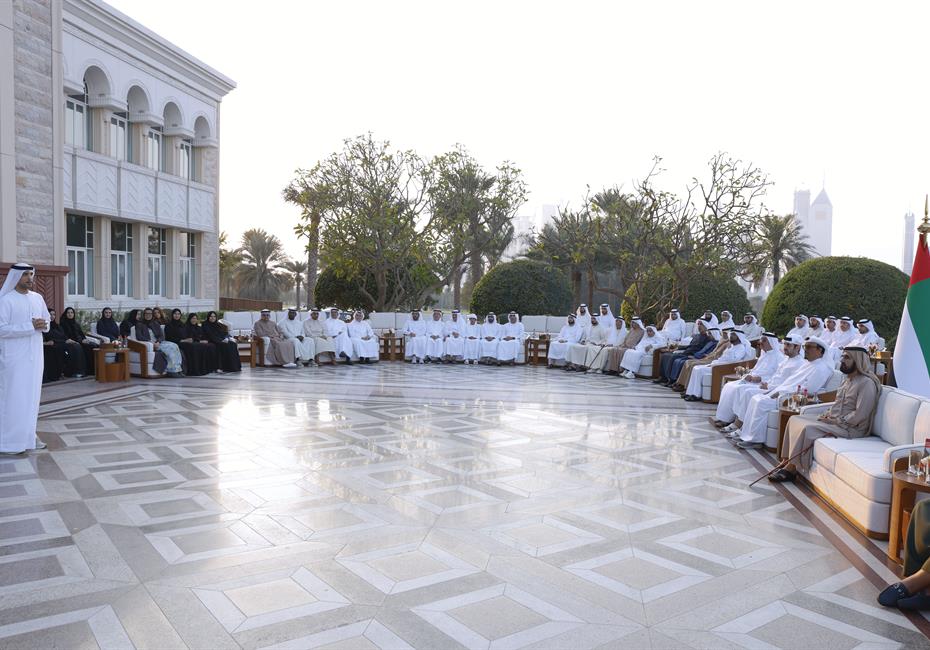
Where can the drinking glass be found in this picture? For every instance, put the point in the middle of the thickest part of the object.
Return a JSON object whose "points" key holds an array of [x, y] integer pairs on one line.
{"points": [[913, 461]]}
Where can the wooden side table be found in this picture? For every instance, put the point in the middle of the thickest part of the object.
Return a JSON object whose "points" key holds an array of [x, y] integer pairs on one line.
{"points": [[116, 370], [783, 416], [536, 351], [904, 489], [391, 348]]}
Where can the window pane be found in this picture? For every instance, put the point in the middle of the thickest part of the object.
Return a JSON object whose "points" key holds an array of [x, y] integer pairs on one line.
{"points": [[88, 289], [114, 282], [154, 240], [72, 273], [76, 231]]}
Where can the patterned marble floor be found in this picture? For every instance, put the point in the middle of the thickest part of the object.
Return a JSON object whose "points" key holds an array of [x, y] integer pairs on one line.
{"points": [[416, 507]]}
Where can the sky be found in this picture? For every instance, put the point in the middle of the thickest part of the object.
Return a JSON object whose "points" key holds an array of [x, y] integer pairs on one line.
{"points": [[823, 94]]}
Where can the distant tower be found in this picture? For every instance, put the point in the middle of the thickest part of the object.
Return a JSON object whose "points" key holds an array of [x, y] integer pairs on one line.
{"points": [[802, 205], [907, 254], [820, 231]]}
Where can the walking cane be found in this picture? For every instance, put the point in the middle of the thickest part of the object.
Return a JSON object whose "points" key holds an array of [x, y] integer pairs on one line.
{"points": [[782, 464], [593, 367]]}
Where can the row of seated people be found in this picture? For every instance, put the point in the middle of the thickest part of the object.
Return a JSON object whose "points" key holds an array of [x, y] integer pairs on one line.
{"points": [[182, 347]]}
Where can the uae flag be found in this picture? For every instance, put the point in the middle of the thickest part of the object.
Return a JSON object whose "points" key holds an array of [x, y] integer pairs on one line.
{"points": [[912, 350]]}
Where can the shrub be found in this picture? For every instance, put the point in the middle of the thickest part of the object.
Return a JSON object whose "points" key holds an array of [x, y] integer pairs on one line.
{"points": [[841, 286], [716, 294], [523, 286], [332, 288]]}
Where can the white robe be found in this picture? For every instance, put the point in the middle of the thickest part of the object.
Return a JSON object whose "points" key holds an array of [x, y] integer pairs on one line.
{"points": [[316, 330], [336, 330], [291, 329], [472, 335], [510, 350], [753, 331], [582, 354], [765, 369], [674, 330], [455, 342], [812, 376], [570, 334], [434, 346], [22, 361], [733, 354], [633, 359], [415, 332], [488, 348], [361, 348], [787, 367]]}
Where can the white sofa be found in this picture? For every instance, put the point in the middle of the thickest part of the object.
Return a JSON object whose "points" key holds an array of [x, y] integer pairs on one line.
{"points": [[142, 359], [855, 475], [774, 417]]}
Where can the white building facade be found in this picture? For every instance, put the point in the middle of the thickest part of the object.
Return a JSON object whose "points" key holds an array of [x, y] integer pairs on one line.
{"points": [[116, 158], [907, 252]]}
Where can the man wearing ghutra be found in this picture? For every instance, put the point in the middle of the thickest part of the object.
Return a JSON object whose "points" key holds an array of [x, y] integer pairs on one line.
{"points": [[472, 335], [435, 333], [293, 330], [490, 334], [511, 340], [454, 348], [315, 330], [23, 319], [415, 333], [570, 334]]}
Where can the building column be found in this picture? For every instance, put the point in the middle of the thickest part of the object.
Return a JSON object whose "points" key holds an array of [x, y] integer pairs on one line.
{"points": [[8, 252], [102, 286], [140, 252], [173, 261]]}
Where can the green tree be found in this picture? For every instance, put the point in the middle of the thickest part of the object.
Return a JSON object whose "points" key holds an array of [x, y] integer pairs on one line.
{"points": [[843, 286], [780, 246], [259, 275], [311, 193], [525, 286], [295, 270], [230, 259]]}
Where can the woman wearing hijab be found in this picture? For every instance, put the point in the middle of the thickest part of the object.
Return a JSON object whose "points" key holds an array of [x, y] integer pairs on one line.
{"points": [[196, 334], [167, 354], [195, 353], [106, 326], [125, 327], [75, 334], [54, 351], [159, 316], [70, 356], [227, 350]]}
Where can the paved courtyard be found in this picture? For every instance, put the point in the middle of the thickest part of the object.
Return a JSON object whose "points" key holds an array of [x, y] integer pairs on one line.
{"points": [[396, 506]]}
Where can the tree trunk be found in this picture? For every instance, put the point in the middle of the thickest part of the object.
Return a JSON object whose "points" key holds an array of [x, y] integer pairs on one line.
{"points": [[590, 290], [475, 269], [457, 289], [313, 259], [576, 285]]}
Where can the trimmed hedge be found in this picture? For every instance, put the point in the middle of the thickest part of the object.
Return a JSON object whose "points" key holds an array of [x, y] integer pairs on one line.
{"points": [[840, 286], [523, 286], [716, 294]]}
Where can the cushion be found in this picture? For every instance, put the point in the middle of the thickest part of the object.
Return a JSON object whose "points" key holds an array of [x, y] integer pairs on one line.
{"points": [[535, 324], [554, 324], [239, 320], [922, 424], [865, 472], [826, 450], [382, 321], [866, 514], [895, 416]]}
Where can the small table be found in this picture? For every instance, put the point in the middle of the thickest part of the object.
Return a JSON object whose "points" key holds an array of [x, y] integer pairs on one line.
{"points": [[536, 351], [904, 489], [391, 348], [116, 370]]}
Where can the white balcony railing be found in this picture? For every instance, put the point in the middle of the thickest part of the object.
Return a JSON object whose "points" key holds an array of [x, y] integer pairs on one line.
{"points": [[102, 185]]}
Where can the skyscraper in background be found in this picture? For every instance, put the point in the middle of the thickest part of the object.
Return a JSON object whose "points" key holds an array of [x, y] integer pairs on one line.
{"points": [[816, 219], [907, 252]]}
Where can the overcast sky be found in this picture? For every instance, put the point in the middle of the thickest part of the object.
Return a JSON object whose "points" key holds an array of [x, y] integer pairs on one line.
{"points": [[575, 94]]}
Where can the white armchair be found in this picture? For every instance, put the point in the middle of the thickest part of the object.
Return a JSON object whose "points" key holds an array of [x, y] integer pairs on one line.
{"points": [[142, 359]]}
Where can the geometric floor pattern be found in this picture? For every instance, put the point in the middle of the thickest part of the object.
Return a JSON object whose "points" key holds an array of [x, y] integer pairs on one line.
{"points": [[395, 506]]}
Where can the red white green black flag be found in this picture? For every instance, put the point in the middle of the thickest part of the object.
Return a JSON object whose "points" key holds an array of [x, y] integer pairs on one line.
{"points": [[912, 350]]}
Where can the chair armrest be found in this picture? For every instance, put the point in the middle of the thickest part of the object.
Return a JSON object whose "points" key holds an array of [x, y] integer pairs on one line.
{"points": [[894, 453], [815, 409]]}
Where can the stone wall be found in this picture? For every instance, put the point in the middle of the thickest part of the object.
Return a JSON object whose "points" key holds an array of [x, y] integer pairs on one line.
{"points": [[34, 100]]}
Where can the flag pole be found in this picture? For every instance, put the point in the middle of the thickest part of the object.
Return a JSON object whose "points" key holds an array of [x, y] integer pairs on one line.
{"points": [[924, 226]]}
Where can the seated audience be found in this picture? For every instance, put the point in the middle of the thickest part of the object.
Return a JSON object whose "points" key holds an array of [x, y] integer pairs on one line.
{"points": [[630, 341], [128, 322], [106, 326], [722, 340], [674, 327], [867, 334], [695, 346], [201, 358], [570, 334], [323, 345], [911, 592], [739, 350], [75, 334], [771, 356], [471, 332], [633, 359], [581, 354], [510, 342], [168, 357], [801, 327], [453, 350], [751, 328], [490, 335], [293, 330], [435, 337], [365, 344], [281, 350], [415, 335]]}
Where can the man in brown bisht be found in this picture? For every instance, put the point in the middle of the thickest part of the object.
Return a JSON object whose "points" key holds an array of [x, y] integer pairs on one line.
{"points": [[849, 416], [615, 354], [281, 352], [685, 375]]}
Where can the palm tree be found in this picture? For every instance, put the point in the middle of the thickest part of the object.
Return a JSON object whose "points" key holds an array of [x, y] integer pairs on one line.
{"points": [[259, 276], [782, 245], [229, 264], [295, 270]]}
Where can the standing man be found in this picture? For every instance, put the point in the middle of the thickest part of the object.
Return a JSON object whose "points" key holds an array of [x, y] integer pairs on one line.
{"points": [[23, 319], [293, 329]]}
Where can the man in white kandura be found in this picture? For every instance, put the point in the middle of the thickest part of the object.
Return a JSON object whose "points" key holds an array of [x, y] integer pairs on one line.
{"points": [[415, 333], [293, 329], [726, 321], [801, 327], [570, 334], [867, 335], [633, 359], [606, 315], [811, 377], [583, 319], [581, 354], [435, 333], [751, 328], [511, 340], [740, 350], [472, 335], [816, 326], [315, 329], [364, 342], [490, 335], [454, 348], [23, 319], [765, 368], [336, 329], [674, 329]]}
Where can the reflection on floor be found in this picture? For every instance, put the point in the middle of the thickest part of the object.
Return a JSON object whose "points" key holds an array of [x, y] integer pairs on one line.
{"points": [[395, 506]]}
